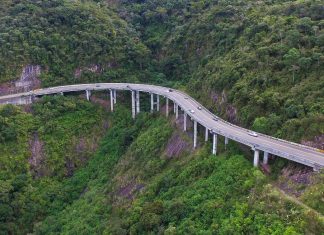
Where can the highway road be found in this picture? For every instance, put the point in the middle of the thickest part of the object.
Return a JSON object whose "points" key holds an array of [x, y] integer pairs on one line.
{"points": [[299, 153]]}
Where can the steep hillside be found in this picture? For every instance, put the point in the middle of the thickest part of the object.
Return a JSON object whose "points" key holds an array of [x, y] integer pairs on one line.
{"points": [[68, 166], [259, 63], [131, 185], [70, 40]]}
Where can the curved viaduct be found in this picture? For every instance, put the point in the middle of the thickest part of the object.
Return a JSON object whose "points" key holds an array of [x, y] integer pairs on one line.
{"points": [[213, 125]]}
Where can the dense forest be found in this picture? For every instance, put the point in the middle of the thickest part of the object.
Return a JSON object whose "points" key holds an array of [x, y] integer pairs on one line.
{"points": [[130, 185], [69, 166], [264, 57]]}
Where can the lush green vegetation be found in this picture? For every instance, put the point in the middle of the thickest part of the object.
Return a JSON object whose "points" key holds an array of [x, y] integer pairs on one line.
{"points": [[63, 125], [129, 186], [63, 36], [264, 57], [69, 167]]}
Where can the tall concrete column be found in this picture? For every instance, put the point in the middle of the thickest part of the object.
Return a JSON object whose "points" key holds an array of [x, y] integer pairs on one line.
{"points": [[111, 100], [206, 134], [88, 94], [62, 93], [115, 96], [152, 102], [30, 99], [133, 105], [174, 107], [167, 107], [137, 102], [214, 143], [265, 158], [157, 103], [226, 142], [177, 111], [185, 121], [256, 158], [195, 134]]}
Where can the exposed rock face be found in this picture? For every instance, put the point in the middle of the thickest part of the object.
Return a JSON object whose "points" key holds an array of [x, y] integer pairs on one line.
{"points": [[176, 146], [317, 142], [7, 88], [129, 191], [94, 68], [37, 155], [223, 107], [294, 180], [29, 77], [105, 103], [231, 113], [28, 81]]}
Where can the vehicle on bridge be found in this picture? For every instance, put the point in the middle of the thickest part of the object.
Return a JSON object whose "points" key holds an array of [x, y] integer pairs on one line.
{"points": [[252, 133]]}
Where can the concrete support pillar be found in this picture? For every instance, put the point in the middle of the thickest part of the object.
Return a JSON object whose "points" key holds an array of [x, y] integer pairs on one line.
{"points": [[111, 100], [256, 158], [115, 96], [265, 158], [195, 134], [167, 107], [133, 105], [62, 93], [177, 111], [226, 142], [185, 121], [174, 107], [214, 143], [152, 102], [88, 94], [137, 102], [157, 103], [206, 134]]}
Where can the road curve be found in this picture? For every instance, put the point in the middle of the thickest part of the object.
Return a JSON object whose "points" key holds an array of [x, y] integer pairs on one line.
{"points": [[296, 152]]}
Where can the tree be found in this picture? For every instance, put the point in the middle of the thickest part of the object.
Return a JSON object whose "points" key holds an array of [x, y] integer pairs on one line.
{"points": [[261, 124], [291, 60]]}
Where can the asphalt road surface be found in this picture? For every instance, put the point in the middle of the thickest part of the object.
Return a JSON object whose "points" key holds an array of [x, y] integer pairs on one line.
{"points": [[299, 153]]}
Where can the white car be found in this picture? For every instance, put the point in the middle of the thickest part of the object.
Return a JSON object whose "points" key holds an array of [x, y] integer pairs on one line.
{"points": [[199, 107], [252, 133], [191, 111]]}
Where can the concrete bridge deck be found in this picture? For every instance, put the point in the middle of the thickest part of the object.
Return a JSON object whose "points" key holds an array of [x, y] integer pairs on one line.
{"points": [[269, 145]]}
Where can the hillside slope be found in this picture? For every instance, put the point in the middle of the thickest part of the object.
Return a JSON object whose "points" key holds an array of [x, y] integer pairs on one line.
{"points": [[259, 64], [68, 166], [70, 40], [132, 185]]}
